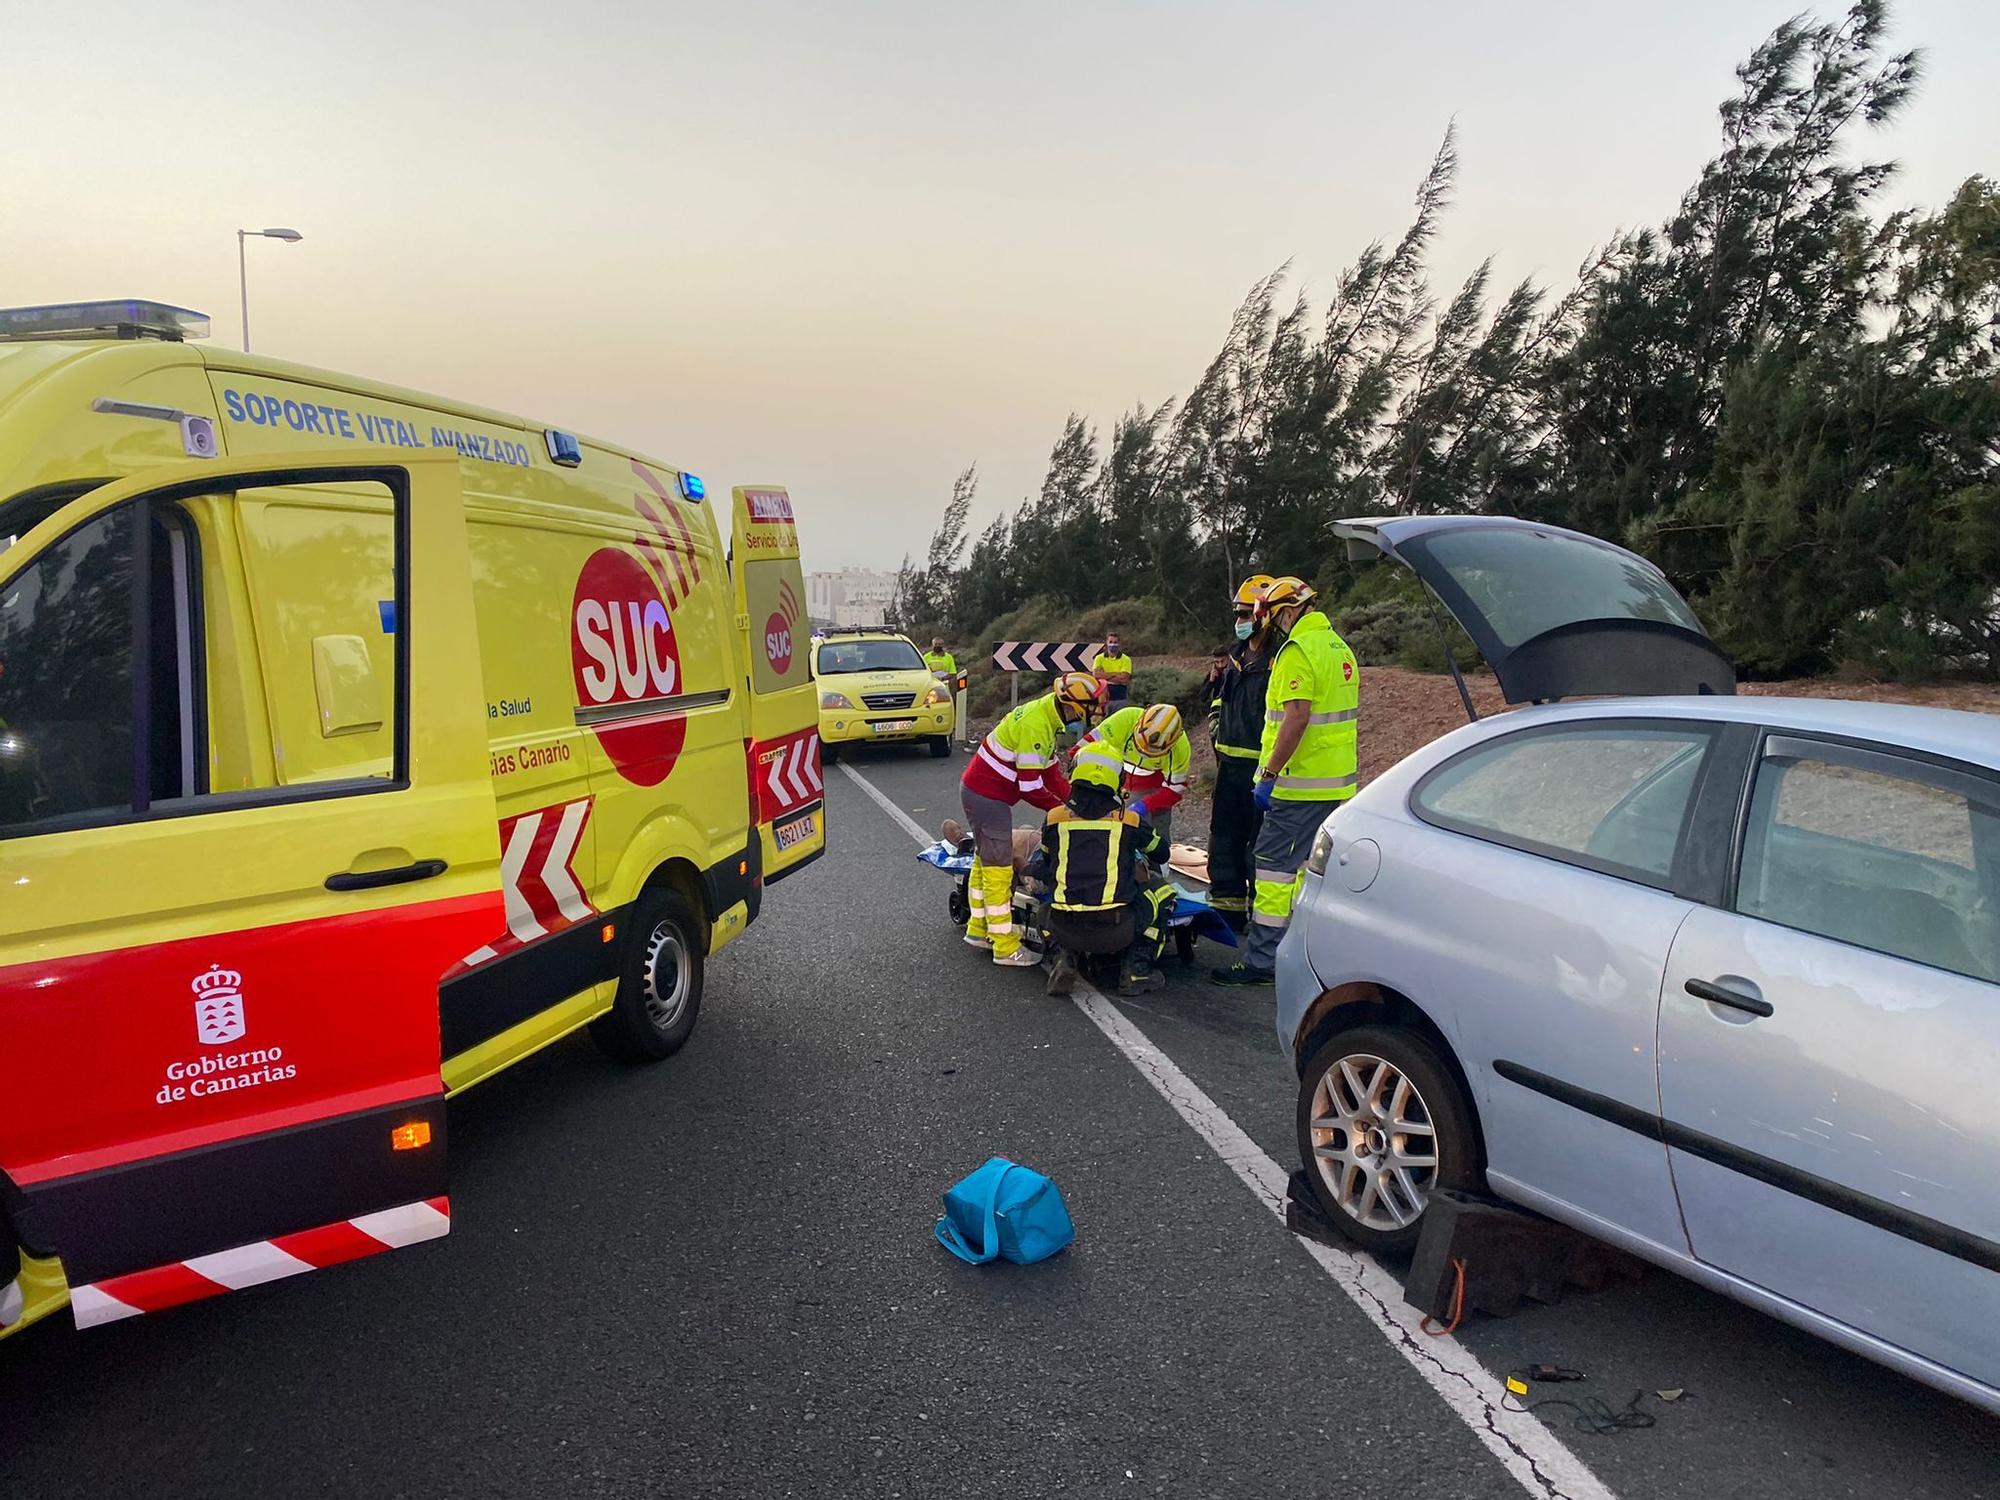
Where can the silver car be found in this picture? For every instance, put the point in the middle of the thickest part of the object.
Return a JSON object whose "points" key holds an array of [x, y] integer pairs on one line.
{"points": [[1713, 978]]}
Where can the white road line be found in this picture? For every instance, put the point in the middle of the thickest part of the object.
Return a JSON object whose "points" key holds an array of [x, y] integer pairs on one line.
{"points": [[1538, 1460]]}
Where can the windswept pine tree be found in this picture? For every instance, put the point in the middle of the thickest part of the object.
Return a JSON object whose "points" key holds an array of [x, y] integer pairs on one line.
{"points": [[1786, 397]]}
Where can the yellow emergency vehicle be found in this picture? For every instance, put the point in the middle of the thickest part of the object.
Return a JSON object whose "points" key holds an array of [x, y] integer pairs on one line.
{"points": [[354, 744], [874, 686]]}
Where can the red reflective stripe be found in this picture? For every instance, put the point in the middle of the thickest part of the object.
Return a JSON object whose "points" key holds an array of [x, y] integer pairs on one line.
{"points": [[162, 1287], [330, 1244], [1004, 772]]}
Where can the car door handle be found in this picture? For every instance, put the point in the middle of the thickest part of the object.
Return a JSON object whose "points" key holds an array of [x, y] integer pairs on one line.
{"points": [[369, 880], [1721, 994]]}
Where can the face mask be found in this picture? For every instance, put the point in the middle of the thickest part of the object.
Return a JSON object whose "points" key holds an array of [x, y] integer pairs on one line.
{"points": [[1244, 628]]}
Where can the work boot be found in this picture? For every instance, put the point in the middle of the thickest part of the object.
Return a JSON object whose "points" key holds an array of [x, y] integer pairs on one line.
{"points": [[1062, 978], [1242, 976], [1140, 977]]}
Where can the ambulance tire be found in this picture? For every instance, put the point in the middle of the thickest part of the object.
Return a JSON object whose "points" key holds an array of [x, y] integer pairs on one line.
{"points": [[940, 746], [659, 993], [829, 753]]}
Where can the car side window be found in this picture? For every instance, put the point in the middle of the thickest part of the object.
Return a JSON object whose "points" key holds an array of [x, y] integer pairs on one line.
{"points": [[1608, 797], [1876, 850]]}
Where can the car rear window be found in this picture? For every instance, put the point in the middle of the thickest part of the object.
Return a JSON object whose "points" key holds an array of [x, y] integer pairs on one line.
{"points": [[1526, 582], [889, 654], [1609, 797]]}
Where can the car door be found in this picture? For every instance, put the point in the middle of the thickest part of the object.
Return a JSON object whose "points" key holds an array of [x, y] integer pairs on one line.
{"points": [[245, 826], [787, 785], [1536, 898], [1829, 1049]]}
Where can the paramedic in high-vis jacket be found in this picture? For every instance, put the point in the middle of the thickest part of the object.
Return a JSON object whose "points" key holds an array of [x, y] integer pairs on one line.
{"points": [[1307, 763]]}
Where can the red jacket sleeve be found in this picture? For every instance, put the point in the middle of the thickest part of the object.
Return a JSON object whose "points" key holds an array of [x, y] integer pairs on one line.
{"points": [[1054, 790]]}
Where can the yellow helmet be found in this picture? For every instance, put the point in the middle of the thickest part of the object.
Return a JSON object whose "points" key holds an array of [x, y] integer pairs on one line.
{"points": [[1252, 589], [1160, 729], [1076, 696], [1089, 772], [1282, 593]]}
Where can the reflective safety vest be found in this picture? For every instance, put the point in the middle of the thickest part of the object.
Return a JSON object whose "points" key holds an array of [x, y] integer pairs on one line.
{"points": [[1315, 664], [1017, 761], [1093, 859], [941, 663], [1161, 779]]}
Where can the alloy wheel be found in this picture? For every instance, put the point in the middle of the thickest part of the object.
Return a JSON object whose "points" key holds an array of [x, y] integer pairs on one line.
{"points": [[1373, 1142]]}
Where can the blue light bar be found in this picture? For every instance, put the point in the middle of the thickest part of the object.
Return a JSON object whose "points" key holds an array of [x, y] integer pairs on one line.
{"points": [[127, 318], [692, 488], [564, 448]]}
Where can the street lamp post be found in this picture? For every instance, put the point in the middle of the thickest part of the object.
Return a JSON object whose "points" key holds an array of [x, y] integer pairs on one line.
{"points": [[289, 236]]}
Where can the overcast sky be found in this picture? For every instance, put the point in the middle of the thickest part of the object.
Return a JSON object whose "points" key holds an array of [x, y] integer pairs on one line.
{"points": [[852, 247]]}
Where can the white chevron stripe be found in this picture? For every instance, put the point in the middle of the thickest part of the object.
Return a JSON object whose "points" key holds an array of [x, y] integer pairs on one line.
{"points": [[555, 870], [93, 1307], [247, 1265], [795, 772], [813, 765], [12, 1301], [411, 1224], [520, 916]]}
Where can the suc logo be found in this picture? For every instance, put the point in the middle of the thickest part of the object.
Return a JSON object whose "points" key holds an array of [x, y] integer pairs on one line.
{"points": [[624, 651]]}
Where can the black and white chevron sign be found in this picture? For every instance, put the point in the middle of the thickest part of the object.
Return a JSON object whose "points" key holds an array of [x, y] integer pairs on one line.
{"points": [[1044, 656]]}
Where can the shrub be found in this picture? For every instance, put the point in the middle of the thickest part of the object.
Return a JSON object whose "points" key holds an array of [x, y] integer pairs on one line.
{"points": [[1175, 685]]}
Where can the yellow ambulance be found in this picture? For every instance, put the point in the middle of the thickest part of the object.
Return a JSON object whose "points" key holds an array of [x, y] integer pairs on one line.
{"points": [[354, 744]]}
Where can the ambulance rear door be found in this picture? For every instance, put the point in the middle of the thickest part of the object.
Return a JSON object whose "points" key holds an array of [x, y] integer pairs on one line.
{"points": [[786, 786], [246, 823]]}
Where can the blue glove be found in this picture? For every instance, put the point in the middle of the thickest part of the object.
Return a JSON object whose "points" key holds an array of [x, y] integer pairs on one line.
{"points": [[1261, 793]]}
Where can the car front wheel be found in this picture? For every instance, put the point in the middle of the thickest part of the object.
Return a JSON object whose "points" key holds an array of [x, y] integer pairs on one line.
{"points": [[1382, 1125]]}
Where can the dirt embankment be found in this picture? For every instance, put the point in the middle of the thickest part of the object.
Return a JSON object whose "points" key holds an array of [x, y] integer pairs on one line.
{"points": [[1402, 711]]}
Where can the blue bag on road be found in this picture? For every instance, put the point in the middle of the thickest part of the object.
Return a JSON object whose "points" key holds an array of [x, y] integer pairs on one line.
{"points": [[1004, 1211]]}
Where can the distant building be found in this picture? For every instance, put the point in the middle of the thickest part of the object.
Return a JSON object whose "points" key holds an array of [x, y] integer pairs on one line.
{"points": [[853, 596]]}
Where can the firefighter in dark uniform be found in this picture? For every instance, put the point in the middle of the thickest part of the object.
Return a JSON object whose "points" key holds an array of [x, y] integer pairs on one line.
{"points": [[1237, 685], [1098, 901]]}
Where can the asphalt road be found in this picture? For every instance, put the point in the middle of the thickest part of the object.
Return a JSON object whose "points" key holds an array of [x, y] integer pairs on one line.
{"points": [[716, 1277]]}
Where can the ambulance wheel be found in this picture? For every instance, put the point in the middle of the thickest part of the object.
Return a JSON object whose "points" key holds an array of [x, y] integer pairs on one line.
{"points": [[829, 753], [940, 746], [659, 994]]}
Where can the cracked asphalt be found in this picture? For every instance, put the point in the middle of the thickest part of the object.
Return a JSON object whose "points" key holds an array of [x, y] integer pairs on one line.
{"points": [[716, 1277]]}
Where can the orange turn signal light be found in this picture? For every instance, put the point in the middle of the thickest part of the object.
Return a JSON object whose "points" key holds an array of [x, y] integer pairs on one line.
{"points": [[742, 867], [610, 931], [409, 1137]]}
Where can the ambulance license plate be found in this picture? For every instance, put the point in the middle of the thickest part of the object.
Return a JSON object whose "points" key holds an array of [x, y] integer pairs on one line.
{"points": [[895, 726], [797, 831]]}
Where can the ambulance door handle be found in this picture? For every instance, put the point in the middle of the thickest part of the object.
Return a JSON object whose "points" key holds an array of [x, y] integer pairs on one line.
{"points": [[369, 880]]}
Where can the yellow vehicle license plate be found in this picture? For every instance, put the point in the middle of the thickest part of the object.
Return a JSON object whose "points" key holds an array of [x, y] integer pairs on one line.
{"points": [[797, 831]]}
